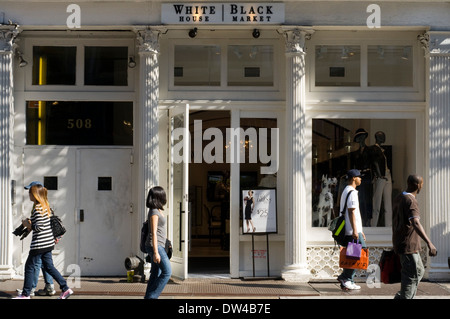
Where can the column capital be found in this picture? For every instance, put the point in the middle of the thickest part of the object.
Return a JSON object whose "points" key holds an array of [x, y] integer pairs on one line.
{"points": [[424, 40], [148, 40], [295, 39], [7, 35]]}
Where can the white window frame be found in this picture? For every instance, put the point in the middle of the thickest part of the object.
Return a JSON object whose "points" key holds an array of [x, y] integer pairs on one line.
{"points": [[80, 44], [170, 91], [363, 39]]}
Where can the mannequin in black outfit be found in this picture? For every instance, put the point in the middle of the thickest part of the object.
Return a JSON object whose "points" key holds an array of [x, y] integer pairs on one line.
{"points": [[382, 183], [361, 161]]}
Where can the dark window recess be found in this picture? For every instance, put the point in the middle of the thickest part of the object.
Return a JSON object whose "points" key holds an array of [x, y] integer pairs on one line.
{"points": [[337, 72], [106, 66], [79, 123], [252, 72], [105, 183], [51, 183], [54, 65], [178, 71]]}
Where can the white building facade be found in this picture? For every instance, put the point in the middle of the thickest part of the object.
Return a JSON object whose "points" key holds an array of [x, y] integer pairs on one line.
{"points": [[101, 100]]}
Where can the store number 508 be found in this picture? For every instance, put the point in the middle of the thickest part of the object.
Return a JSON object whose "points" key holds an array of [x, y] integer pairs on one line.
{"points": [[79, 123]]}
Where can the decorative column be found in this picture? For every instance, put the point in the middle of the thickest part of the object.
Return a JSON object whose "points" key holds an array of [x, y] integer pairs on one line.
{"points": [[7, 35], [295, 268], [148, 141], [437, 47]]}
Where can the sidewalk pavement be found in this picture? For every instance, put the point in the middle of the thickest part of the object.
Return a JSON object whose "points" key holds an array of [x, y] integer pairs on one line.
{"points": [[221, 287]]}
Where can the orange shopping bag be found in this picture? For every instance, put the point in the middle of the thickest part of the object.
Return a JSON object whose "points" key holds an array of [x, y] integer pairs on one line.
{"points": [[354, 263]]}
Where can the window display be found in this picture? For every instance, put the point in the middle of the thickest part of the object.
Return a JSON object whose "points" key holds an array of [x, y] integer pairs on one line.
{"points": [[378, 148]]}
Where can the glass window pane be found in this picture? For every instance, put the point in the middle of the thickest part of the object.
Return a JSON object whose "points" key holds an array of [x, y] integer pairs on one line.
{"points": [[390, 65], [197, 65], [378, 148], [250, 65], [54, 65], [106, 66], [338, 65], [79, 123]]}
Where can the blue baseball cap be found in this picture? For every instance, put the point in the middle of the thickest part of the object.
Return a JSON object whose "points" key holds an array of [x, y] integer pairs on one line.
{"points": [[33, 184], [353, 173]]}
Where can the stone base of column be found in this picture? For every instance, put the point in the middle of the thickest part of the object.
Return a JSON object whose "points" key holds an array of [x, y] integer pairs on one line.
{"points": [[439, 272], [296, 273], [6, 272]]}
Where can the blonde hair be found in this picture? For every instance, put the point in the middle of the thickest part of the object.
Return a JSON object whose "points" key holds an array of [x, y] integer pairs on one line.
{"points": [[40, 195]]}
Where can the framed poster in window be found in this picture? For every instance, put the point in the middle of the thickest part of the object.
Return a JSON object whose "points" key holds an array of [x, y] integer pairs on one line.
{"points": [[259, 211]]}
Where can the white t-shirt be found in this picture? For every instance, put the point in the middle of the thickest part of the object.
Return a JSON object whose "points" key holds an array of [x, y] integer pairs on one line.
{"points": [[353, 202]]}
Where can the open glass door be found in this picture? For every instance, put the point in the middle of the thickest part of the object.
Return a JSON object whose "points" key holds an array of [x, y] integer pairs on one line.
{"points": [[178, 188]]}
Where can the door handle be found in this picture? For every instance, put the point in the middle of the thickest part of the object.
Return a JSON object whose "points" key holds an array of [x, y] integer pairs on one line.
{"points": [[81, 215]]}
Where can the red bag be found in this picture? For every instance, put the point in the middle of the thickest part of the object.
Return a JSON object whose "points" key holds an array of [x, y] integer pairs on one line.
{"points": [[390, 267], [353, 263]]}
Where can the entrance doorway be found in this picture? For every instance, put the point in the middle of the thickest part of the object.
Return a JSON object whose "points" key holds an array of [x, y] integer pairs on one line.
{"points": [[208, 166], [209, 198]]}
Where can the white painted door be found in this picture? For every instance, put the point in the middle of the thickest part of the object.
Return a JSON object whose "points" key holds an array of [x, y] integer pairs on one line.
{"points": [[178, 189], [104, 210]]}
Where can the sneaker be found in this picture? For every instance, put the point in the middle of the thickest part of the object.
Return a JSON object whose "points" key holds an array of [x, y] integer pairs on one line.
{"points": [[355, 286], [19, 292], [66, 294], [342, 282], [21, 297], [46, 292], [348, 285]]}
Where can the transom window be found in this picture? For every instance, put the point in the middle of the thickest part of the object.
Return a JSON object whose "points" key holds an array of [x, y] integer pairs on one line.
{"points": [[56, 65], [358, 65], [387, 66], [338, 65], [74, 64], [226, 65]]}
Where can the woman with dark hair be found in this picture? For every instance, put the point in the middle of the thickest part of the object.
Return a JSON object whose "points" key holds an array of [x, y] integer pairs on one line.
{"points": [[42, 242], [161, 269]]}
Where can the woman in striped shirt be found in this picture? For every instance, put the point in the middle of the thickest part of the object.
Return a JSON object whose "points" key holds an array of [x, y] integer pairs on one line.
{"points": [[42, 242]]}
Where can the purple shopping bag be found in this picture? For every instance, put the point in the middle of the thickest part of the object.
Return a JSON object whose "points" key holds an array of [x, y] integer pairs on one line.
{"points": [[354, 250]]}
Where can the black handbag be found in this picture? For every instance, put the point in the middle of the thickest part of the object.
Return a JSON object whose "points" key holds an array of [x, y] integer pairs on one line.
{"points": [[58, 228], [168, 247], [144, 234]]}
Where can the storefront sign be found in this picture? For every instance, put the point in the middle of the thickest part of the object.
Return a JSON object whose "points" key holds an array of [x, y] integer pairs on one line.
{"points": [[222, 13]]}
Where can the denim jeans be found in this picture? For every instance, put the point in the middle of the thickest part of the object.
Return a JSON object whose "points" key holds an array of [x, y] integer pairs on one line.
{"points": [[349, 274], [47, 278], [412, 273], [159, 274], [30, 271]]}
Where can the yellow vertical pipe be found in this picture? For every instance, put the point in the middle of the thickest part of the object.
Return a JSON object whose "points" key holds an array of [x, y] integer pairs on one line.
{"points": [[42, 104]]}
